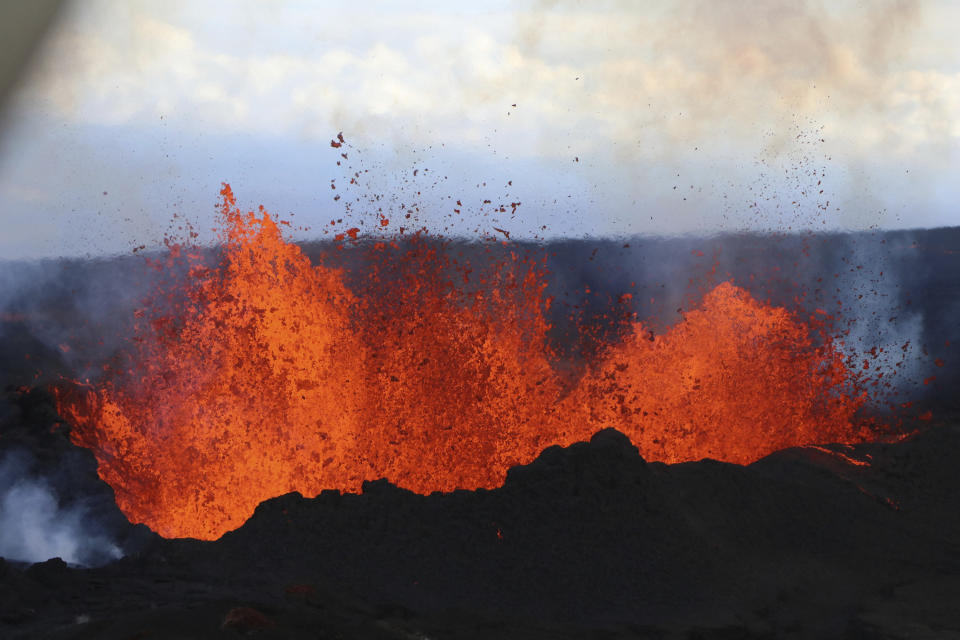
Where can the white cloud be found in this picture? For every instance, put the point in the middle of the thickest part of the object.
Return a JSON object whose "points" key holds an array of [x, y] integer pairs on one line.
{"points": [[741, 70], [695, 87]]}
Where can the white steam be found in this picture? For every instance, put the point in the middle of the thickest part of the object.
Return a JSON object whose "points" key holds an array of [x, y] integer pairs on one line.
{"points": [[34, 526]]}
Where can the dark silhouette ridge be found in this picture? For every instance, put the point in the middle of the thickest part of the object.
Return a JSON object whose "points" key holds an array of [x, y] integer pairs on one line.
{"points": [[809, 541]]}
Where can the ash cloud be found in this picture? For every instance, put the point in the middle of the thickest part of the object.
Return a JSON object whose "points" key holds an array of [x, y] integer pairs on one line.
{"points": [[36, 525], [891, 294], [59, 320], [68, 316], [702, 92], [723, 68]]}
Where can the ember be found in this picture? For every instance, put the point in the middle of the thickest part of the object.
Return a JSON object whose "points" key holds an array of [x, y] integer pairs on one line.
{"points": [[267, 374]]}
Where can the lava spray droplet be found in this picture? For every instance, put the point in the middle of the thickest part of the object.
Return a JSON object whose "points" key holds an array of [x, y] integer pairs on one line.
{"points": [[264, 374]]}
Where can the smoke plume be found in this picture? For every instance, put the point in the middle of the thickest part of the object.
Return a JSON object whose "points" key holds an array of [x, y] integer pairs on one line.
{"points": [[36, 526]]}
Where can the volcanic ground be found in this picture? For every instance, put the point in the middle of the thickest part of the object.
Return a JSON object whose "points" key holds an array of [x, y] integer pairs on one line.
{"points": [[588, 540]]}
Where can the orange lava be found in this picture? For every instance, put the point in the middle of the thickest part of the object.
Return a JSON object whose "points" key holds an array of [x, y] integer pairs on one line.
{"points": [[266, 374], [734, 381]]}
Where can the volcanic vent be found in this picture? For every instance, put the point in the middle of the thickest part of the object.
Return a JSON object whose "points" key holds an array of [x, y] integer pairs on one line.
{"points": [[256, 372]]}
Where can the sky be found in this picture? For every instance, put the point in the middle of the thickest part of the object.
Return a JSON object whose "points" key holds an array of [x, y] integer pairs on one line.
{"points": [[601, 118]]}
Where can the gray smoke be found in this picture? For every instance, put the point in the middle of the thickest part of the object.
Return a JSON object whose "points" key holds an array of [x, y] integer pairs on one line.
{"points": [[35, 525]]}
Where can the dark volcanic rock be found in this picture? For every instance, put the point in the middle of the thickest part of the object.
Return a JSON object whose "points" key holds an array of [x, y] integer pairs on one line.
{"points": [[32, 435], [830, 541]]}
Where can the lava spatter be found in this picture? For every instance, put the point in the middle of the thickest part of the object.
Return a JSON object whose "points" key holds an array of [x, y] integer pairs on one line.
{"points": [[734, 380], [264, 374], [239, 388]]}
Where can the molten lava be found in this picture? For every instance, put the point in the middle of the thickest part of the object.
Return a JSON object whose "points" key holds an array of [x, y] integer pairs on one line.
{"points": [[266, 374], [734, 381]]}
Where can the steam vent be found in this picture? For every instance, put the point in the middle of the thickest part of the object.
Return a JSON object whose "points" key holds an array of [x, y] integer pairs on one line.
{"points": [[498, 320]]}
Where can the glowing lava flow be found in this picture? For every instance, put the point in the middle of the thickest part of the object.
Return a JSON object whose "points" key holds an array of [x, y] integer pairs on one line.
{"points": [[266, 374], [734, 381]]}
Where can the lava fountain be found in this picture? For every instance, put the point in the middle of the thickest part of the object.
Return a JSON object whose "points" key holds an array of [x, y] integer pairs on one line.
{"points": [[264, 374]]}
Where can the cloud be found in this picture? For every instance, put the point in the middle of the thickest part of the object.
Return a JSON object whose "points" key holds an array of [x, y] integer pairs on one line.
{"points": [[673, 73], [705, 69], [131, 98]]}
